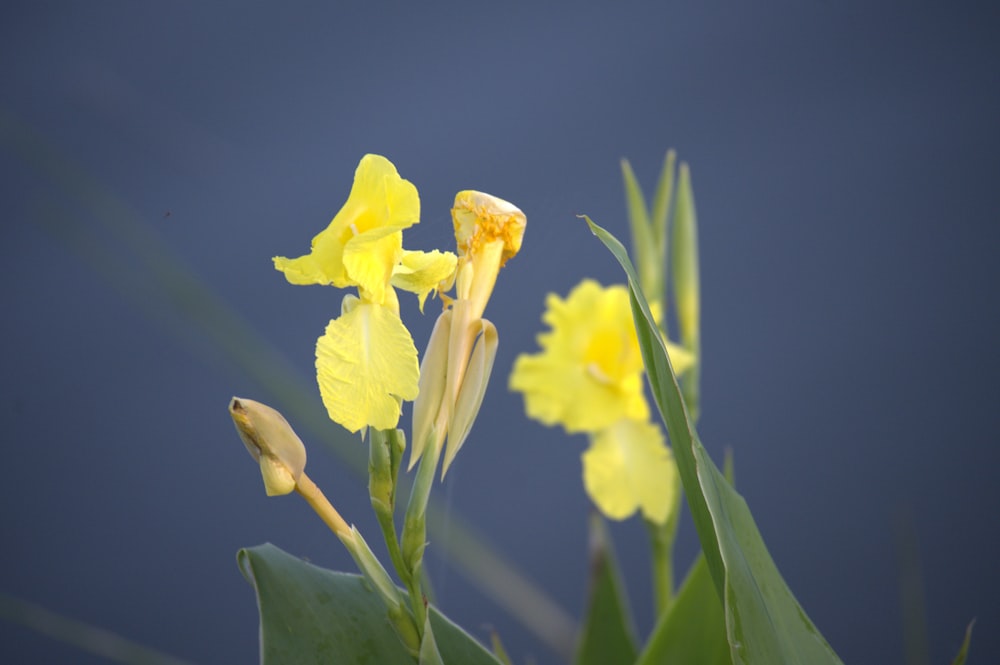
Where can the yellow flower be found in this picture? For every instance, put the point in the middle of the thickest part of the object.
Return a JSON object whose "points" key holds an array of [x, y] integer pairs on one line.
{"points": [[366, 362], [588, 375], [460, 354], [628, 467], [364, 242]]}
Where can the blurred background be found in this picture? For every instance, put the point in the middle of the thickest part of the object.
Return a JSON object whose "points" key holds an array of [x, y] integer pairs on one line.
{"points": [[155, 157]]}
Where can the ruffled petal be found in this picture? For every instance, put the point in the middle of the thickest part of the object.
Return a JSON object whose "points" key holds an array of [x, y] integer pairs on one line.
{"points": [[422, 272], [628, 467], [365, 363], [561, 392]]}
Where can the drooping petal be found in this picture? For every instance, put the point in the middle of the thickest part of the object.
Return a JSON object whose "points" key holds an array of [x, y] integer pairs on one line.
{"points": [[422, 272], [379, 198], [628, 467], [365, 363]]}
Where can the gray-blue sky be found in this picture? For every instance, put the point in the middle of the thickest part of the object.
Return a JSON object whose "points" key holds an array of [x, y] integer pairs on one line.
{"points": [[844, 161]]}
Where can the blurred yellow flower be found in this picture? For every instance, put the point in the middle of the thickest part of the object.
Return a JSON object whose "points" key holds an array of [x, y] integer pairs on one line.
{"points": [[588, 375], [366, 362], [628, 467]]}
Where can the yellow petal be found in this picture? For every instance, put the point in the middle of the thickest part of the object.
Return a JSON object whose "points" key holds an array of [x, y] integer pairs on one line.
{"points": [[379, 198], [680, 358], [562, 392], [628, 467], [422, 272], [369, 259], [589, 372], [365, 363]]}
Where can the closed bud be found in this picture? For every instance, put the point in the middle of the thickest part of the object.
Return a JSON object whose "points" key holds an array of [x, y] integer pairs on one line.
{"points": [[272, 443]]}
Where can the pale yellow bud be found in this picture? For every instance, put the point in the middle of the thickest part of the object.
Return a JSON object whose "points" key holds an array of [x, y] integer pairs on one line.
{"points": [[271, 441]]}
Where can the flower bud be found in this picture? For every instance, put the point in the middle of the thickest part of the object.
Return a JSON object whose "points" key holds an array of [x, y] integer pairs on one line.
{"points": [[271, 441]]}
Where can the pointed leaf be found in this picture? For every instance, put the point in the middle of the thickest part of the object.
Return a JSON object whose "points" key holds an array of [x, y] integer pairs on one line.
{"points": [[309, 615], [607, 635], [687, 289], [643, 241], [693, 632], [963, 652], [765, 623], [661, 206]]}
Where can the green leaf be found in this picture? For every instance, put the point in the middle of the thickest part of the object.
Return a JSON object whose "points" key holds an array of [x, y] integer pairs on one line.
{"points": [[963, 652], [686, 286], [661, 206], [312, 615], [607, 635], [693, 632], [765, 624], [644, 243]]}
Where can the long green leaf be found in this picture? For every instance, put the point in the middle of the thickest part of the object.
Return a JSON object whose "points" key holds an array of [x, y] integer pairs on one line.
{"points": [[693, 632], [309, 615], [963, 652], [607, 635], [765, 624], [643, 239]]}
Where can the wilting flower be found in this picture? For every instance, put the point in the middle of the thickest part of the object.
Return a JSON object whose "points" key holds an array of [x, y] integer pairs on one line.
{"points": [[628, 467], [366, 362], [459, 358]]}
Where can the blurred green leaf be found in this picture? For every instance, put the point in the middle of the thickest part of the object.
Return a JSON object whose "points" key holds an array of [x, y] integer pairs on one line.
{"points": [[687, 287], [694, 631], [765, 624], [963, 652], [607, 635], [312, 615], [643, 240], [661, 206]]}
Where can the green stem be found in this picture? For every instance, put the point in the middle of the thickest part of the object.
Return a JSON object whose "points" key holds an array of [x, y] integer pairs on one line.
{"points": [[415, 528], [661, 543], [382, 490]]}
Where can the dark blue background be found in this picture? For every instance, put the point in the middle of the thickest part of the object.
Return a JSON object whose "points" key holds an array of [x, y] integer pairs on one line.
{"points": [[845, 162]]}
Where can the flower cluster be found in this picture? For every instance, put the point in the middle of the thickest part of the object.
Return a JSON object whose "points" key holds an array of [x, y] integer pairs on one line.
{"points": [[366, 361], [589, 378]]}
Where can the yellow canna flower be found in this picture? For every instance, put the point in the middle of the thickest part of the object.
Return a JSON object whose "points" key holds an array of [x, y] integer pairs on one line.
{"points": [[628, 467], [364, 242], [366, 362], [588, 375]]}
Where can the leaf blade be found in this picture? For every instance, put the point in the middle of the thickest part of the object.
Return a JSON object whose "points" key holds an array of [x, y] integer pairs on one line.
{"points": [[765, 624]]}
